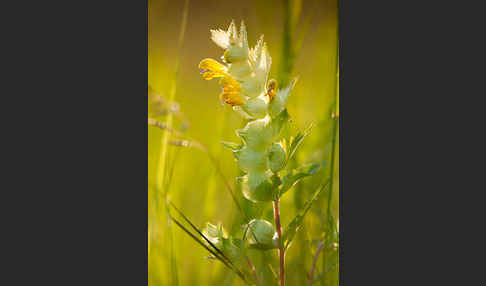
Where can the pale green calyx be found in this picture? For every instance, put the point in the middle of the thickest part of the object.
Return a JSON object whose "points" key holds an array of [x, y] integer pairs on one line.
{"points": [[278, 103], [247, 88], [256, 108], [257, 186], [261, 235], [250, 160], [277, 157]]}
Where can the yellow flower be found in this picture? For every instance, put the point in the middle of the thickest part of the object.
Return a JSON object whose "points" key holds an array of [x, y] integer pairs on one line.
{"points": [[230, 84], [233, 99], [231, 92], [210, 69]]}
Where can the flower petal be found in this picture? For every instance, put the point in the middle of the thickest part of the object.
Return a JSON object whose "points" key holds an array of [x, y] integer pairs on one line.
{"points": [[229, 84], [232, 98], [210, 69]]}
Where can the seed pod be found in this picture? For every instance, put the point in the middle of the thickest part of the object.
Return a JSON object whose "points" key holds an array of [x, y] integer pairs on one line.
{"points": [[261, 234], [256, 108], [250, 160], [240, 70], [276, 157], [257, 186], [251, 86], [257, 134]]}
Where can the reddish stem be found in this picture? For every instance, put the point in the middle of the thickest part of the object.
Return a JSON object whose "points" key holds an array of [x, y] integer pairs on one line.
{"points": [[276, 214], [252, 268]]}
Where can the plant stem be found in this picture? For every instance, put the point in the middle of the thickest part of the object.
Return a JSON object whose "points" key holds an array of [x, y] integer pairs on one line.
{"points": [[314, 262], [252, 268], [276, 214]]}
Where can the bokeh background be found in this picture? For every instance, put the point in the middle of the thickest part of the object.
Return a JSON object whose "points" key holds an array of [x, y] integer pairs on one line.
{"points": [[302, 39]]}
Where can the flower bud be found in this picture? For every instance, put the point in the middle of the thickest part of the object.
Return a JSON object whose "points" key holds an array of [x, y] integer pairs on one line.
{"points": [[276, 157], [261, 234]]}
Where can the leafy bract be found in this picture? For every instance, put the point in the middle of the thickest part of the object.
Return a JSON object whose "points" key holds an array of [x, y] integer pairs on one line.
{"points": [[294, 176], [297, 140]]}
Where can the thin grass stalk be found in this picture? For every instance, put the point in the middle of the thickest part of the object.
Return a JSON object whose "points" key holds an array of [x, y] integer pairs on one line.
{"points": [[252, 268], [173, 262], [209, 208], [163, 158], [169, 120], [250, 264], [335, 120], [314, 262], [287, 62], [163, 126], [200, 233], [173, 258]]}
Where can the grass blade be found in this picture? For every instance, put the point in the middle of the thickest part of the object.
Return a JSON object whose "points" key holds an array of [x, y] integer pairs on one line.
{"points": [[200, 233], [296, 223], [220, 255], [294, 176], [295, 142], [208, 249]]}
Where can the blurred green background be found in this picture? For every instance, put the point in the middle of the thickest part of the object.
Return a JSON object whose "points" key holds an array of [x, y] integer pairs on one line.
{"points": [[302, 40]]}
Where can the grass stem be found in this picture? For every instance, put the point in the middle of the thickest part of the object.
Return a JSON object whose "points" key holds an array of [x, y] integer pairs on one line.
{"points": [[252, 268], [314, 262]]}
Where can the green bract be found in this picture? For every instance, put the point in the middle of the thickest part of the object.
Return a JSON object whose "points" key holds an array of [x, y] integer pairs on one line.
{"points": [[278, 103], [276, 157], [256, 108], [261, 234], [257, 134], [257, 186], [250, 160]]}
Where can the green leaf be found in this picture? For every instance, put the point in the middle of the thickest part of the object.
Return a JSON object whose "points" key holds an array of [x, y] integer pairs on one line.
{"points": [[296, 223], [231, 145], [294, 176], [295, 142]]}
